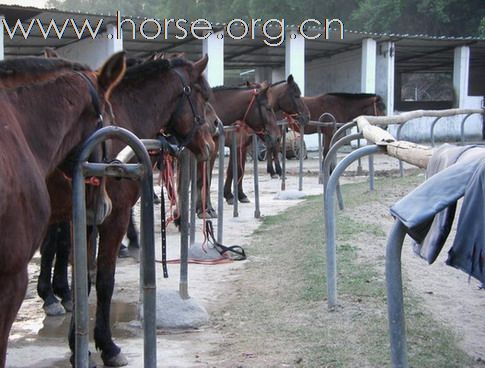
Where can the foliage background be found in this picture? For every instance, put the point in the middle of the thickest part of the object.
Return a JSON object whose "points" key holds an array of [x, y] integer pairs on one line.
{"points": [[430, 17]]}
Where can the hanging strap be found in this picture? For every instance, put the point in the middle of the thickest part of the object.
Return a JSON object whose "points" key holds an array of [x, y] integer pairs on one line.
{"points": [[223, 250]]}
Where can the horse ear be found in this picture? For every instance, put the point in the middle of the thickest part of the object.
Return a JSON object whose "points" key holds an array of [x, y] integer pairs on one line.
{"points": [[200, 65], [112, 72], [50, 53], [290, 79]]}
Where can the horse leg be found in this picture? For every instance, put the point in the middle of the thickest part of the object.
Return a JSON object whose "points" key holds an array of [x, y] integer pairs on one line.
{"points": [[228, 183], [111, 233], [269, 164], [51, 306], [60, 280], [243, 198], [14, 286], [132, 233]]}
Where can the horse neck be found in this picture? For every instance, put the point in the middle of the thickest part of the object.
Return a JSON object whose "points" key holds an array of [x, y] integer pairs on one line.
{"points": [[146, 107], [231, 105], [51, 133]]}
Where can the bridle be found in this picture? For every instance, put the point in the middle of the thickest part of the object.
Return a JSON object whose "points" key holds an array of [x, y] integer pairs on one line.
{"points": [[95, 101], [185, 95], [264, 132]]}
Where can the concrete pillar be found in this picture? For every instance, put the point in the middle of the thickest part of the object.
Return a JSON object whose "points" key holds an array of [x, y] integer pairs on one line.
{"points": [[295, 57], [368, 66], [214, 47], [461, 66], [93, 52], [385, 74], [2, 53]]}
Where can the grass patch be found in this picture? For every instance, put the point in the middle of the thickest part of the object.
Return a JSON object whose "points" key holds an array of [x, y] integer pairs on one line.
{"points": [[280, 314]]}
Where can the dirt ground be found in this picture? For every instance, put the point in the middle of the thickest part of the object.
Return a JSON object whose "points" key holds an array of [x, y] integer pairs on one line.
{"points": [[39, 341]]}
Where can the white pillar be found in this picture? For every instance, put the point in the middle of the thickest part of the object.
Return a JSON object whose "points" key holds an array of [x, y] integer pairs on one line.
{"points": [[368, 66], [295, 58], [93, 52], [214, 47], [385, 74], [461, 67], [2, 54]]}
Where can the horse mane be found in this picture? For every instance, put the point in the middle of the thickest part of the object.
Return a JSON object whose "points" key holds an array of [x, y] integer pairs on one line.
{"points": [[34, 66], [279, 82], [232, 88], [139, 70]]}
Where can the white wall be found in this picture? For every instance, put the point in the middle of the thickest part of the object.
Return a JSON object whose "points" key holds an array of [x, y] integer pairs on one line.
{"points": [[93, 52], [339, 73]]}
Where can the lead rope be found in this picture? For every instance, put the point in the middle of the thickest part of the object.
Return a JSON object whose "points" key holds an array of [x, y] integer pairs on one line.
{"points": [[204, 204], [163, 223]]}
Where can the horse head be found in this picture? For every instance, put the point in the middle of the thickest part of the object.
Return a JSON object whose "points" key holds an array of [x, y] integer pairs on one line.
{"points": [[288, 99], [189, 121]]}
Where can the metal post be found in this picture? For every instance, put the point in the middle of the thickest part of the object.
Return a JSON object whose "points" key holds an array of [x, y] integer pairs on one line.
{"points": [[135, 171], [432, 130], [395, 306], [220, 182], [320, 156], [184, 162], [398, 137], [371, 173], [257, 213], [329, 210], [235, 178], [283, 158], [359, 163], [193, 197], [462, 128], [80, 266], [302, 142]]}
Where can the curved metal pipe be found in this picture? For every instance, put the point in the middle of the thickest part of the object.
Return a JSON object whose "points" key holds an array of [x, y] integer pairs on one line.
{"points": [[147, 272], [329, 210], [395, 306]]}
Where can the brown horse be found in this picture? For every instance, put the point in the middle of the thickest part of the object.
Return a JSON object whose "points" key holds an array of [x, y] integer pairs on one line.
{"points": [[287, 101], [47, 108], [154, 96], [251, 109], [344, 107]]}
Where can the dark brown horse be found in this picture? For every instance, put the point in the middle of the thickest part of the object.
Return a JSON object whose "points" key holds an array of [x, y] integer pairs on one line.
{"points": [[154, 96], [251, 109], [47, 108], [344, 107], [286, 101]]}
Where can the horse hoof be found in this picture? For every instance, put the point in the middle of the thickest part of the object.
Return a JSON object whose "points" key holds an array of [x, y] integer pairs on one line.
{"points": [[118, 360], [274, 176], [91, 363], [244, 200], [123, 252], [230, 201], [68, 305], [54, 309], [212, 214]]}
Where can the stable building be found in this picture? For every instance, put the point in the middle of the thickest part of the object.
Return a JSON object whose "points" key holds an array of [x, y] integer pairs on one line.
{"points": [[409, 71]]}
